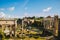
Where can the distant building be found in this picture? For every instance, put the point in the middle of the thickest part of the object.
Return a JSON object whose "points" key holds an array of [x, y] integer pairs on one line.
{"points": [[51, 23], [8, 26], [48, 23]]}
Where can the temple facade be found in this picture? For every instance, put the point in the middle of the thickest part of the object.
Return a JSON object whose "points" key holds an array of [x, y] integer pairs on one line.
{"points": [[8, 26], [51, 23], [48, 23]]}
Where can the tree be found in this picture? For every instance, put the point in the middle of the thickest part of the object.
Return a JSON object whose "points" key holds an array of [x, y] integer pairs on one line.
{"points": [[41, 17], [19, 21], [33, 17]]}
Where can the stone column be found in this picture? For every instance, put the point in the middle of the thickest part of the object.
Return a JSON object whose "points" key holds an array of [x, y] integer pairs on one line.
{"points": [[15, 27], [2, 28], [56, 26], [10, 30], [50, 25], [44, 23]]}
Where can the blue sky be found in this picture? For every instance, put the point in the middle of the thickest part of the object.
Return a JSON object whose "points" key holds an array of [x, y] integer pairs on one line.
{"points": [[21, 8]]}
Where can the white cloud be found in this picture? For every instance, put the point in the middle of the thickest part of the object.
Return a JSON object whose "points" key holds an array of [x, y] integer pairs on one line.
{"points": [[13, 16], [25, 3], [2, 9], [25, 14], [2, 14], [47, 9], [9, 16], [12, 8], [26, 8]]}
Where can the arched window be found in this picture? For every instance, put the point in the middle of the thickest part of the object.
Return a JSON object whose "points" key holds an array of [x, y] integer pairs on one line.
{"points": [[13, 26], [0, 26], [8, 25]]}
